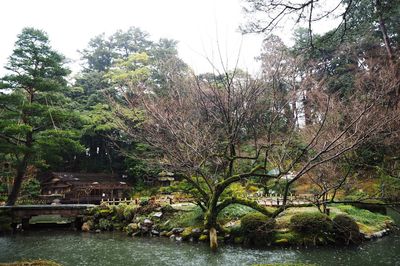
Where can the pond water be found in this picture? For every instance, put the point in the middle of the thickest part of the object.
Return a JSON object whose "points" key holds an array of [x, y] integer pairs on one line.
{"points": [[75, 248]]}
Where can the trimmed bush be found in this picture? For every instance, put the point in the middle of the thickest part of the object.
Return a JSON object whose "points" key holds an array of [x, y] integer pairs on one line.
{"points": [[346, 229], [311, 223], [257, 229]]}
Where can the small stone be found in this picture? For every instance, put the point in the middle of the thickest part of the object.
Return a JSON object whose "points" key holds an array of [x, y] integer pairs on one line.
{"points": [[172, 236], [98, 231], [177, 230], [137, 233], [147, 222], [158, 214], [196, 231], [155, 233], [164, 233], [178, 238], [227, 237]]}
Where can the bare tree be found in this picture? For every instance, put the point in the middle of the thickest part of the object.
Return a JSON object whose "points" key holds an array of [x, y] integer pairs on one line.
{"points": [[218, 129]]}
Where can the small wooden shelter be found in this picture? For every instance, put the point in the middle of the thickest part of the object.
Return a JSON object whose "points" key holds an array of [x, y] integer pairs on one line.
{"points": [[84, 187]]}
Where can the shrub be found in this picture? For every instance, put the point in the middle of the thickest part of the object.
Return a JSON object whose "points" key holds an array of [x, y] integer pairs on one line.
{"points": [[257, 229], [129, 212], [105, 224], [346, 229], [313, 223]]}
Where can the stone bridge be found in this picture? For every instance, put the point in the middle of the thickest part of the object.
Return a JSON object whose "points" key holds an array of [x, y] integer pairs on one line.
{"points": [[23, 213]]}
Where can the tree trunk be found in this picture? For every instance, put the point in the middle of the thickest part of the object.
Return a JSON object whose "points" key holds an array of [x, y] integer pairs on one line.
{"points": [[385, 35], [306, 109], [12, 198], [213, 239], [211, 219], [21, 170]]}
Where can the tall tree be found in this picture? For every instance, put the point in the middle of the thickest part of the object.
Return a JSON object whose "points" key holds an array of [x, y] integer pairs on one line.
{"points": [[32, 114]]}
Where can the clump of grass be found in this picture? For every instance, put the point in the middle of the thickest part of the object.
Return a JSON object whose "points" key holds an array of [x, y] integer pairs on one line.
{"points": [[364, 216], [192, 218], [234, 212]]}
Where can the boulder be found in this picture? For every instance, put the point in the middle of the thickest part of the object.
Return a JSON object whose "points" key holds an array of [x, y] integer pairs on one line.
{"points": [[85, 227]]}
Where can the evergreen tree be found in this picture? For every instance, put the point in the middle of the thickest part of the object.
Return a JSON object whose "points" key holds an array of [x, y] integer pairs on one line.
{"points": [[33, 117]]}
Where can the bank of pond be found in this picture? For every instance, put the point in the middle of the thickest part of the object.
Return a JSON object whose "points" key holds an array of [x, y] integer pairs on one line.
{"points": [[247, 231], [299, 226]]}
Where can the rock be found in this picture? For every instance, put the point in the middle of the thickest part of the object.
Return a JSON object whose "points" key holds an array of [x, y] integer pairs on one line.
{"points": [[196, 232], [187, 233], [133, 226], [147, 222], [158, 214], [98, 231], [178, 238], [145, 229], [164, 233], [205, 232], [203, 237], [138, 233], [85, 227], [227, 237], [172, 237], [177, 230], [155, 233]]}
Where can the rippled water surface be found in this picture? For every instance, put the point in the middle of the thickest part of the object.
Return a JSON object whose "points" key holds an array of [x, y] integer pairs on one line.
{"points": [[74, 248]]}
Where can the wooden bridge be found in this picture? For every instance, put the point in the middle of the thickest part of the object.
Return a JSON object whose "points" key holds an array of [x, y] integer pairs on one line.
{"points": [[23, 213]]}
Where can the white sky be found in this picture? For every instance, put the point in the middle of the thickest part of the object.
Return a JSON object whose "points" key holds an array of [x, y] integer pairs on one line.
{"points": [[196, 24]]}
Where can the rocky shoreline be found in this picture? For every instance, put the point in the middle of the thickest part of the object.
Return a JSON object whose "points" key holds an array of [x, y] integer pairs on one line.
{"points": [[162, 221]]}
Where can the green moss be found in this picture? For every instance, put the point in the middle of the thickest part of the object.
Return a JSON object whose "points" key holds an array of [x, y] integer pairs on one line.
{"points": [[187, 233], [289, 237], [203, 237]]}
